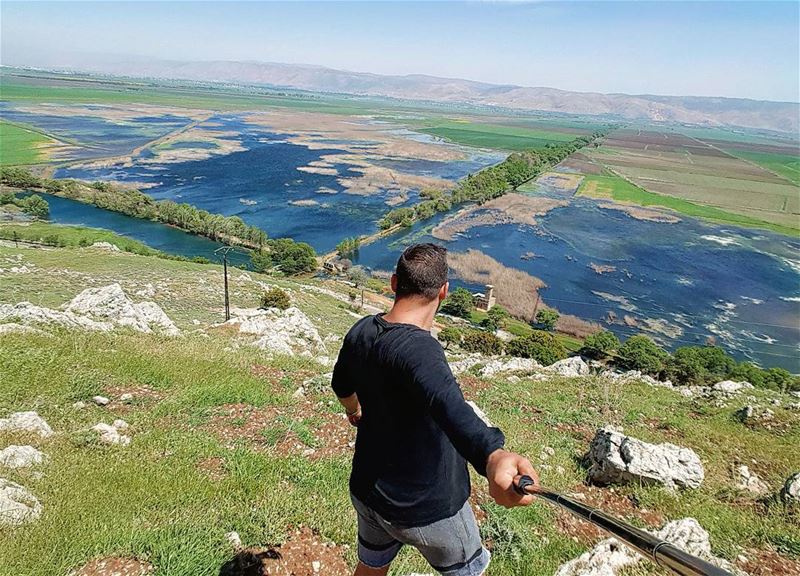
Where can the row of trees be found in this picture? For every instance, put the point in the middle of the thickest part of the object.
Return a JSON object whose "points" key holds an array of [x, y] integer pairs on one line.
{"points": [[286, 256], [487, 184], [348, 247], [228, 229], [34, 204]]}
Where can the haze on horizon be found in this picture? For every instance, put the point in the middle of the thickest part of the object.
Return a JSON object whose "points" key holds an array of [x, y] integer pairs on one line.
{"points": [[730, 49]]}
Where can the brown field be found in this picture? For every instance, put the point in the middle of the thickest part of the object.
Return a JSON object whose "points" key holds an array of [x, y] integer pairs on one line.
{"points": [[699, 171]]}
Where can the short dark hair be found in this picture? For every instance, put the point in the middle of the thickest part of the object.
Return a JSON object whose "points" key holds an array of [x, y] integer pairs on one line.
{"points": [[421, 271]]}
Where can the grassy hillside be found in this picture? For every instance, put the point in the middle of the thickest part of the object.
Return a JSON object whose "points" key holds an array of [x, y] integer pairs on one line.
{"points": [[221, 443]]}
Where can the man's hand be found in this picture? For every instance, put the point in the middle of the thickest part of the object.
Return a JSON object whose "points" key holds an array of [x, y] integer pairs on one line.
{"points": [[352, 408], [502, 468], [355, 417]]}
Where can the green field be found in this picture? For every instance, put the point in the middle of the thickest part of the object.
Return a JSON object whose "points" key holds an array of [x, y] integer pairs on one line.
{"points": [[620, 190], [20, 145], [784, 165], [496, 136], [170, 497]]}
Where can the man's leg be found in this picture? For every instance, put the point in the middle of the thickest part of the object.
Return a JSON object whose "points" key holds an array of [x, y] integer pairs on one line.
{"points": [[376, 547], [364, 570]]}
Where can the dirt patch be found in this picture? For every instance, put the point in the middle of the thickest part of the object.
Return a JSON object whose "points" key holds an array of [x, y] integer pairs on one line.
{"points": [[303, 554], [768, 563], [213, 468], [232, 423], [269, 373], [471, 383], [114, 566], [584, 434]]}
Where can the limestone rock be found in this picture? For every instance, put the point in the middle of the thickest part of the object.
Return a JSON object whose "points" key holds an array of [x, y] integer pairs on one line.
{"points": [[731, 387], [618, 459], [790, 493], [636, 376], [110, 434], [17, 505], [105, 246], [570, 367], [111, 304], [749, 482], [27, 313], [101, 400], [609, 557], [287, 331], [20, 457], [29, 422]]}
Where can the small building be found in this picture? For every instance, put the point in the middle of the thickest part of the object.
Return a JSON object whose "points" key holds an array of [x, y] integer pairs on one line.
{"points": [[485, 301]]}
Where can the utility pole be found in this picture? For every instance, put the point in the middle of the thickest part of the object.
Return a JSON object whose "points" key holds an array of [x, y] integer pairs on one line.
{"points": [[224, 251]]}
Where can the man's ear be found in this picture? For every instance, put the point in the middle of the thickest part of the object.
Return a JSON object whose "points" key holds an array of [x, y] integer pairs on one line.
{"points": [[393, 283], [443, 291]]}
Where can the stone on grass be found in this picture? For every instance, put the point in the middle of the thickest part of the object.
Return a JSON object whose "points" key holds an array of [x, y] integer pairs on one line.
{"points": [[110, 434], [790, 493], [749, 482], [731, 387], [288, 332], [17, 505], [29, 422], [100, 400], [234, 539], [618, 459], [20, 457], [570, 367], [609, 557], [27, 313], [105, 246]]}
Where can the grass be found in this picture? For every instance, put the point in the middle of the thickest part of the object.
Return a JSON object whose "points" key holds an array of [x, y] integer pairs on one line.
{"points": [[20, 145], [521, 328], [71, 236], [784, 165], [620, 190], [496, 136], [154, 501]]}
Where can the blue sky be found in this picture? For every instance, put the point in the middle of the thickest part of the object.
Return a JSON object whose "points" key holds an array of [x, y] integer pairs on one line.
{"points": [[737, 49]]}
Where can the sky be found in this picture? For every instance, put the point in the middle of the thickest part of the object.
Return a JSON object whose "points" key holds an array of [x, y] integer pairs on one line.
{"points": [[733, 49]]}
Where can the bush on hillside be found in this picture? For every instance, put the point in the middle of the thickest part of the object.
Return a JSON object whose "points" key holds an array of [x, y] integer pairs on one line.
{"points": [[449, 335], [641, 353], [285, 255], [459, 303], [36, 206], [539, 345], [600, 345], [748, 372], [699, 365], [275, 298], [482, 342], [547, 318], [18, 177], [780, 379]]}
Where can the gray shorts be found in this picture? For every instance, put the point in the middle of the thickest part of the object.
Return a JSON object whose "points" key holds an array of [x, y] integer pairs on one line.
{"points": [[452, 546]]}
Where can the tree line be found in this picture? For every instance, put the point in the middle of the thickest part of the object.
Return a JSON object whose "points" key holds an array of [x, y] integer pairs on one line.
{"points": [[487, 184]]}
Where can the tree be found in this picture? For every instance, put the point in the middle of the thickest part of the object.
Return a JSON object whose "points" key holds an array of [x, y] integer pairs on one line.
{"points": [[36, 206], [459, 303], [261, 260], [539, 345], [748, 372], [18, 177], [499, 315], [449, 335], [358, 276], [641, 353], [275, 298], [699, 365], [348, 246], [547, 318], [780, 379], [292, 257], [482, 343], [600, 344]]}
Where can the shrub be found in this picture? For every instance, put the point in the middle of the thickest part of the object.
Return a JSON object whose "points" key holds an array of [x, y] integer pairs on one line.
{"points": [[699, 365], [539, 345], [780, 379], [449, 335], [285, 254], [600, 344], [641, 353], [482, 342], [748, 372], [459, 303], [36, 206], [490, 324], [499, 315], [547, 318], [275, 298]]}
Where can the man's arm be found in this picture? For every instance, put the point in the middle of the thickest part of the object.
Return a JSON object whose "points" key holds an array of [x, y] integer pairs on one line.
{"points": [[342, 384], [352, 408]]}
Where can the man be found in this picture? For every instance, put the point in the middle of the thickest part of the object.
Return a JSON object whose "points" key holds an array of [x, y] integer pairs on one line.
{"points": [[410, 483]]}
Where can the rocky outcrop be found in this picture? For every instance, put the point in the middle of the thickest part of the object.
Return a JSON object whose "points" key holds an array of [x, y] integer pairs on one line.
{"points": [[493, 365], [636, 376], [570, 367], [731, 387], [111, 304], [27, 422], [748, 481], [112, 433], [27, 313], [17, 505], [20, 457], [105, 246], [287, 331], [618, 459], [610, 557], [790, 493]]}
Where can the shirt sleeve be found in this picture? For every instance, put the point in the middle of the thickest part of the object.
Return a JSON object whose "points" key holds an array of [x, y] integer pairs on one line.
{"points": [[342, 381], [433, 383]]}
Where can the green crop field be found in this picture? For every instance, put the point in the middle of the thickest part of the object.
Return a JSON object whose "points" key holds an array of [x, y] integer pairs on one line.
{"points": [[616, 188], [20, 145], [784, 165], [496, 136]]}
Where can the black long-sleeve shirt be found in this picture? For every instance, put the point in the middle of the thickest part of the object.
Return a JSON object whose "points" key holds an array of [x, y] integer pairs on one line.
{"points": [[416, 432]]}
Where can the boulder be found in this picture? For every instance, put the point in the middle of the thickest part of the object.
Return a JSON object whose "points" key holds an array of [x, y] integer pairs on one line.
{"points": [[288, 332], [105, 246], [17, 505], [790, 493], [111, 304], [27, 313], [101, 400], [636, 376], [748, 481], [570, 367], [618, 459], [110, 433], [731, 387], [609, 557], [20, 457], [29, 422]]}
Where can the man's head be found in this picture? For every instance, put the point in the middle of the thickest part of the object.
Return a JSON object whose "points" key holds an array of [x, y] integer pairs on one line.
{"points": [[421, 273]]}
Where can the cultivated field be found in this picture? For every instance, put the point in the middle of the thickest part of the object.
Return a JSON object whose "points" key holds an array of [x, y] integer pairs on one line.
{"points": [[20, 145], [702, 172]]}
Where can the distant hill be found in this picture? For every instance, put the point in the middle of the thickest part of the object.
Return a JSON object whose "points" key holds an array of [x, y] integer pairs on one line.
{"points": [[778, 116]]}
